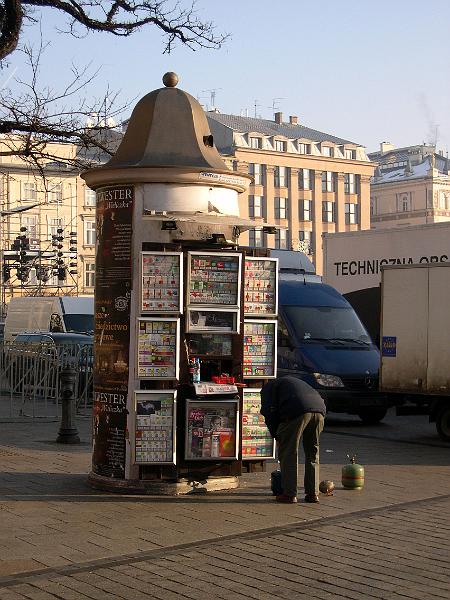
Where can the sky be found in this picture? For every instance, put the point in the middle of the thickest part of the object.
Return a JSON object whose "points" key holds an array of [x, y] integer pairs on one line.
{"points": [[360, 70]]}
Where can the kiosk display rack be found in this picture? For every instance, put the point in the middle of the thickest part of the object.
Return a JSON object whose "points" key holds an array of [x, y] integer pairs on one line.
{"points": [[261, 287], [158, 348], [161, 282], [212, 429], [256, 439], [214, 279], [155, 427], [260, 349], [215, 319]]}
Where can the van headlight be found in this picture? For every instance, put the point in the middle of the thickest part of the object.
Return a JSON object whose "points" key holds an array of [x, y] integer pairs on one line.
{"points": [[332, 381]]}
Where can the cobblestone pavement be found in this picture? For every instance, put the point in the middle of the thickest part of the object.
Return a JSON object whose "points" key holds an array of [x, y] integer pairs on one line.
{"points": [[61, 539]]}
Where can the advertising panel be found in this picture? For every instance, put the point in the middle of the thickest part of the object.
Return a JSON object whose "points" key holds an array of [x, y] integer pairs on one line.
{"points": [[256, 439], [113, 282], [212, 430], [155, 427], [261, 287], [158, 348], [260, 349], [161, 282], [214, 278]]}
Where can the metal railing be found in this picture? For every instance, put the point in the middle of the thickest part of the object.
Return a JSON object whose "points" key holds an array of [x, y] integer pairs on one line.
{"points": [[30, 377]]}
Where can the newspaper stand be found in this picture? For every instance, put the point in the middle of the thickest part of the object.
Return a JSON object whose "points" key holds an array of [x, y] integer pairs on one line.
{"points": [[170, 293]]}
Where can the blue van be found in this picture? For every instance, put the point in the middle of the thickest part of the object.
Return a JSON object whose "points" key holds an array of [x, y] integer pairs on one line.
{"points": [[321, 339]]}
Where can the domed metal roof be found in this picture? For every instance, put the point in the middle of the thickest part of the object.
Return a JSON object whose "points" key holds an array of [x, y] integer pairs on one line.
{"points": [[167, 140]]}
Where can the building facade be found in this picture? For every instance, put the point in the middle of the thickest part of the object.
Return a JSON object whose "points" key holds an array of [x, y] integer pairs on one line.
{"points": [[305, 181], [411, 186], [47, 228]]}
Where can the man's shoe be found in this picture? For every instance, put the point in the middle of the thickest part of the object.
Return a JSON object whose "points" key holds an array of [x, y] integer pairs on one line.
{"points": [[312, 498], [286, 499]]}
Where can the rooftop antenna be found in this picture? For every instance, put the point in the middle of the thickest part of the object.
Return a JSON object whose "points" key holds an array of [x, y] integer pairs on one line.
{"points": [[212, 96], [275, 105], [201, 100], [256, 105]]}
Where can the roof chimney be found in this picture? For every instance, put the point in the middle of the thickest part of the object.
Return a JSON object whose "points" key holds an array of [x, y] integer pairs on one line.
{"points": [[386, 146], [293, 120], [279, 118]]}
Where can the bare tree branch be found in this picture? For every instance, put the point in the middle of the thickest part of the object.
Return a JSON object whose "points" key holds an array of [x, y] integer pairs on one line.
{"points": [[118, 17], [34, 119]]}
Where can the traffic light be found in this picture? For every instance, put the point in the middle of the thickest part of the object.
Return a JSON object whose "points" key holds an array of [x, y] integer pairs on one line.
{"points": [[23, 273], [6, 273]]}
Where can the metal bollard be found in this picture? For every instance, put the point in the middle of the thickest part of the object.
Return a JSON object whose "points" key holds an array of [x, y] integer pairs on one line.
{"points": [[68, 433]]}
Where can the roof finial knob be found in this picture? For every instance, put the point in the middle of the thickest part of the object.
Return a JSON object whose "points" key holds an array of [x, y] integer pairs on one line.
{"points": [[170, 79]]}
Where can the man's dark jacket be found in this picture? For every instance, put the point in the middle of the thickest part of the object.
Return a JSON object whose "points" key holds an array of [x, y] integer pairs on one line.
{"points": [[287, 398]]}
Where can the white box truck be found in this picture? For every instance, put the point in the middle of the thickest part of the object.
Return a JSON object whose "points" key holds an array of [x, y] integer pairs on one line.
{"points": [[49, 313], [415, 340], [353, 262]]}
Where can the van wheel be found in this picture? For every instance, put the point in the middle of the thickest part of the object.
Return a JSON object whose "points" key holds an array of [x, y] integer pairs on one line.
{"points": [[443, 423], [371, 416]]}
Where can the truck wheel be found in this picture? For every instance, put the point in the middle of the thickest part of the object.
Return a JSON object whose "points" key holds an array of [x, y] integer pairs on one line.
{"points": [[371, 416], [443, 423]]}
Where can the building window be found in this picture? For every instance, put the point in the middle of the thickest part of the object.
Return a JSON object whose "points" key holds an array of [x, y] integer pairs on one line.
{"points": [[305, 239], [327, 151], [280, 146], [255, 238], [89, 197], [280, 208], [28, 191], [349, 183], [405, 203], [328, 212], [55, 193], [304, 148], [350, 154], [327, 181], [281, 239], [373, 206], [305, 211], [31, 223], [304, 179], [89, 233], [54, 225], [255, 204], [281, 175], [351, 213], [255, 142], [89, 275], [256, 172]]}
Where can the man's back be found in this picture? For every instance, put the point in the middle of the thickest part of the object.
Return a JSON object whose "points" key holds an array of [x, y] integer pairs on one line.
{"points": [[295, 397]]}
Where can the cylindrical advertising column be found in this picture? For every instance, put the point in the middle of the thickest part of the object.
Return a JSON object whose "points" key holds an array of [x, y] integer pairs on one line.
{"points": [[167, 221]]}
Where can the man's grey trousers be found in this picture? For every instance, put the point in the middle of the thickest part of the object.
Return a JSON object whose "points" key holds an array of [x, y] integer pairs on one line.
{"points": [[308, 427]]}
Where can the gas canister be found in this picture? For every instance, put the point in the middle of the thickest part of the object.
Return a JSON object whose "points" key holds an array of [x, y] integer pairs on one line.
{"points": [[352, 475]]}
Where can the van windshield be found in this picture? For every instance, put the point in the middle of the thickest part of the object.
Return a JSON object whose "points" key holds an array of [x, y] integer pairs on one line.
{"points": [[79, 323], [326, 323]]}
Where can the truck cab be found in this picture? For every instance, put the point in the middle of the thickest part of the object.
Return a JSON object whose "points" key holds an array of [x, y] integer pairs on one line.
{"points": [[322, 340]]}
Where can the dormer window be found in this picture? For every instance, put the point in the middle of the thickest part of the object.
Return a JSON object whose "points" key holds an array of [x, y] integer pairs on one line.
{"points": [[255, 142], [327, 151], [304, 148], [280, 146]]}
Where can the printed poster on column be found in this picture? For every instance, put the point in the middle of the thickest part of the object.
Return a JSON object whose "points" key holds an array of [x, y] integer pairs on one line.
{"points": [[113, 280]]}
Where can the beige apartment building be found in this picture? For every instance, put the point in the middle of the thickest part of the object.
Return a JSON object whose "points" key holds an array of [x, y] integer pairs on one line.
{"points": [[304, 181], [55, 216], [411, 186]]}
